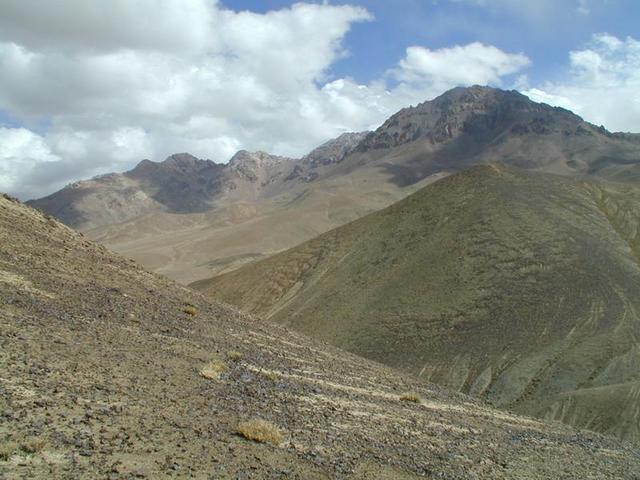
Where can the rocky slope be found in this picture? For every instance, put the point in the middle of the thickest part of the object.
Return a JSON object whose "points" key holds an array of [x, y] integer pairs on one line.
{"points": [[108, 371], [467, 126], [181, 184], [335, 150], [522, 288], [203, 218]]}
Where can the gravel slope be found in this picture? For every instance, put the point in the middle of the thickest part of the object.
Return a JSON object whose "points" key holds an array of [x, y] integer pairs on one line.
{"points": [[100, 378]]}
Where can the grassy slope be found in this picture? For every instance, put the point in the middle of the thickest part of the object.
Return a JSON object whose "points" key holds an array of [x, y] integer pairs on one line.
{"points": [[520, 287]]}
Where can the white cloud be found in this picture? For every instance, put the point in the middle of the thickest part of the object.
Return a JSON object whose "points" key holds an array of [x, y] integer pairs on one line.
{"points": [[473, 63], [21, 151], [123, 80], [108, 25], [602, 84]]}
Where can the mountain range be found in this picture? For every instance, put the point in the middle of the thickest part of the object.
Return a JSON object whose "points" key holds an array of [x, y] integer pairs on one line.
{"points": [[191, 219], [480, 240]]}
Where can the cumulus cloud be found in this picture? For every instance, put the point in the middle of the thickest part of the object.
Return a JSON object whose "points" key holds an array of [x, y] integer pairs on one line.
{"points": [[602, 83], [104, 26], [22, 151], [119, 81], [483, 64]]}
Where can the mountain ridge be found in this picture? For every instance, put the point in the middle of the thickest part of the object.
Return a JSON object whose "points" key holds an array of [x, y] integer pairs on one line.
{"points": [[264, 206], [110, 371], [519, 287]]}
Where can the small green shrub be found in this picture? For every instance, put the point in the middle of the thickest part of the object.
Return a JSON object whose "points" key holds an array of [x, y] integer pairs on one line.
{"points": [[271, 375]]}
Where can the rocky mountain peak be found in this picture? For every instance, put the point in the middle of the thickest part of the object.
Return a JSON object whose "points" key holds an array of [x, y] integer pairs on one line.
{"points": [[253, 165], [334, 150], [258, 159], [476, 111], [182, 163], [181, 160]]}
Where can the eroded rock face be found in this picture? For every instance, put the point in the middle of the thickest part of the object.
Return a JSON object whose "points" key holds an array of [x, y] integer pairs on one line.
{"points": [[335, 150], [255, 165], [180, 184], [477, 111]]}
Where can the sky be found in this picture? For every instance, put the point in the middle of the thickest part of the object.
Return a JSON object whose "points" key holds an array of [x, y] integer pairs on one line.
{"points": [[89, 87]]}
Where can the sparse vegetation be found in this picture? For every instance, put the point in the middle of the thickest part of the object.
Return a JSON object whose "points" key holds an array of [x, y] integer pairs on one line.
{"points": [[116, 400], [213, 370], [411, 397], [33, 445], [260, 431], [273, 376], [6, 450], [489, 267], [234, 355], [190, 310], [10, 198]]}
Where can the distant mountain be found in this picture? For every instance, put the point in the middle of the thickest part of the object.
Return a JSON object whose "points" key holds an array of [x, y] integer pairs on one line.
{"points": [[520, 287], [110, 371], [322, 158], [180, 184], [197, 218], [467, 126], [335, 150]]}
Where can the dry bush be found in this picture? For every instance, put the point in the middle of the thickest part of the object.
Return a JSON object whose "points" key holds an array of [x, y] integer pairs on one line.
{"points": [[213, 370], [234, 355], [260, 431], [190, 310], [273, 376], [33, 445], [6, 450], [411, 397]]}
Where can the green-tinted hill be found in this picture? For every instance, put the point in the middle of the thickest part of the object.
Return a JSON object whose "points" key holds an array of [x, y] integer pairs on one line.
{"points": [[108, 371], [520, 287]]}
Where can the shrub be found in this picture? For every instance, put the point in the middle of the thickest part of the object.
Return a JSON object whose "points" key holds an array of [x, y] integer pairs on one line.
{"points": [[273, 376], [6, 450], [190, 310], [234, 355], [411, 397], [213, 369], [260, 431], [33, 445]]}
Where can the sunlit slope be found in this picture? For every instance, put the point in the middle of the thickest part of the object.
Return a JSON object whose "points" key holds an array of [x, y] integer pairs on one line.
{"points": [[521, 287], [109, 371]]}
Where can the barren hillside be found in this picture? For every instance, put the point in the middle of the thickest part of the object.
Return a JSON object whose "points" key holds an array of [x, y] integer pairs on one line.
{"points": [[519, 287], [108, 371]]}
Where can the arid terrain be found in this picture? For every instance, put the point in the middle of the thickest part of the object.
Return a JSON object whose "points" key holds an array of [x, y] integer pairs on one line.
{"points": [[320, 240], [191, 219], [522, 288], [108, 371]]}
